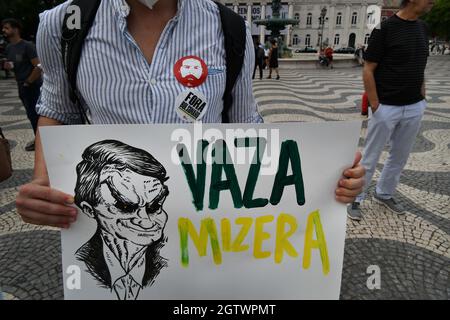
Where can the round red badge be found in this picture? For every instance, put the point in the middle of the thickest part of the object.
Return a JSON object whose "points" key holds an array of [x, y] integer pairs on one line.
{"points": [[191, 71]]}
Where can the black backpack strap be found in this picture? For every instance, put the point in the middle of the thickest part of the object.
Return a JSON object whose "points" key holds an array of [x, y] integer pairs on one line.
{"points": [[72, 44], [234, 31]]}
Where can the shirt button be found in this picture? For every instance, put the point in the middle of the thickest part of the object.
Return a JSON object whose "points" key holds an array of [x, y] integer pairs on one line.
{"points": [[153, 82]]}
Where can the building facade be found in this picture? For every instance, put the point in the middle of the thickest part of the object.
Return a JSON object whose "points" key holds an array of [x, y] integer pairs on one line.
{"points": [[344, 24], [390, 7]]}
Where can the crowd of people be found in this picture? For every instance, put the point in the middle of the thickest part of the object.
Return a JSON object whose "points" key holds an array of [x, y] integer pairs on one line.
{"points": [[439, 49]]}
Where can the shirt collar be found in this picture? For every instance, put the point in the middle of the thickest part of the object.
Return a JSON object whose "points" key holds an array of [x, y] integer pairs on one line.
{"points": [[115, 268], [122, 8]]}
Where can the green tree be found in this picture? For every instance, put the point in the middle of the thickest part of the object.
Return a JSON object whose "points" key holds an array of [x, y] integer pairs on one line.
{"points": [[26, 11], [438, 19]]}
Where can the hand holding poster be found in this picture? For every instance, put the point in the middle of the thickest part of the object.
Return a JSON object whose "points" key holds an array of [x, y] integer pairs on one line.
{"points": [[202, 212]]}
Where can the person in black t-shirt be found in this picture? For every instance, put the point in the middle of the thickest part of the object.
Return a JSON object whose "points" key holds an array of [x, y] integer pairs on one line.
{"points": [[22, 57], [394, 79]]}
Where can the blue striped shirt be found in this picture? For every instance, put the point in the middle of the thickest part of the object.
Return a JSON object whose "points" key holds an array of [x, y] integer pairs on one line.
{"points": [[119, 86]]}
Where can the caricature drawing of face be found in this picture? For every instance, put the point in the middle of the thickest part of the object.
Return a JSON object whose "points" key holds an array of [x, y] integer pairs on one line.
{"points": [[131, 205], [123, 189], [191, 67]]}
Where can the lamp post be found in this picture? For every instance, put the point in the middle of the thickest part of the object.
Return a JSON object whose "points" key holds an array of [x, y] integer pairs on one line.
{"points": [[323, 14]]}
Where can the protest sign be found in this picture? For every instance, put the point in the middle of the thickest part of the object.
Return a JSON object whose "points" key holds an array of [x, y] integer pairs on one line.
{"points": [[202, 211]]}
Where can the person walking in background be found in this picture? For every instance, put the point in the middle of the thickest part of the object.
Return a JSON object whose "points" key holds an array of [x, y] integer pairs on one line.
{"points": [[394, 79], [259, 59], [433, 47], [329, 54], [22, 57], [3, 60], [323, 61], [359, 55], [273, 60], [266, 56]]}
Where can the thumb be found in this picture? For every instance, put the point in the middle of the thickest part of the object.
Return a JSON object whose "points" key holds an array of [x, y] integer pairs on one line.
{"points": [[358, 158]]}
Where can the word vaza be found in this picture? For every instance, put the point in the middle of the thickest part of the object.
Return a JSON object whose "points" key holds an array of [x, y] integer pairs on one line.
{"points": [[286, 224]]}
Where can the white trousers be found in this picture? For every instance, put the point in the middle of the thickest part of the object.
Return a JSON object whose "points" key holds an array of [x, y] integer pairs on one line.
{"points": [[400, 125]]}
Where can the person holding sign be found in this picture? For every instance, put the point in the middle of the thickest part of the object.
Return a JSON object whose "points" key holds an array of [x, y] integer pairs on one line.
{"points": [[169, 70]]}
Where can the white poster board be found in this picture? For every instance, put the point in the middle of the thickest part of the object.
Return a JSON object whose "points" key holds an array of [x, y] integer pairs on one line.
{"points": [[245, 238]]}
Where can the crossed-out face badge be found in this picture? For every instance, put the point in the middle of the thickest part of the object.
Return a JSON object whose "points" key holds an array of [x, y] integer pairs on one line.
{"points": [[191, 105], [191, 71]]}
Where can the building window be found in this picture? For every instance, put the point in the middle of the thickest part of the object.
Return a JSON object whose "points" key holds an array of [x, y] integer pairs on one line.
{"points": [[295, 40], [366, 39], [309, 19], [297, 16], [336, 39], [339, 19], [354, 18], [308, 40]]}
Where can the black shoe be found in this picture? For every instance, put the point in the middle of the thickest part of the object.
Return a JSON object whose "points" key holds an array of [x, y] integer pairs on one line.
{"points": [[278, 77], [30, 146], [391, 204], [354, 211], [269, 77]]}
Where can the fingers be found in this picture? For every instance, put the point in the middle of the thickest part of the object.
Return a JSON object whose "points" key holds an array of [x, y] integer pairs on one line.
{"points": [[45, 207], [358, 158], [37, 218], [39, 204], [348, 192], [351, 184], [34, 191], [356, 172], [349, 188], [345, 200]]}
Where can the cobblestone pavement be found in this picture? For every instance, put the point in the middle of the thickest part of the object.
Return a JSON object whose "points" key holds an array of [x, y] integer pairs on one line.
{"points": [[412, 251]]}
